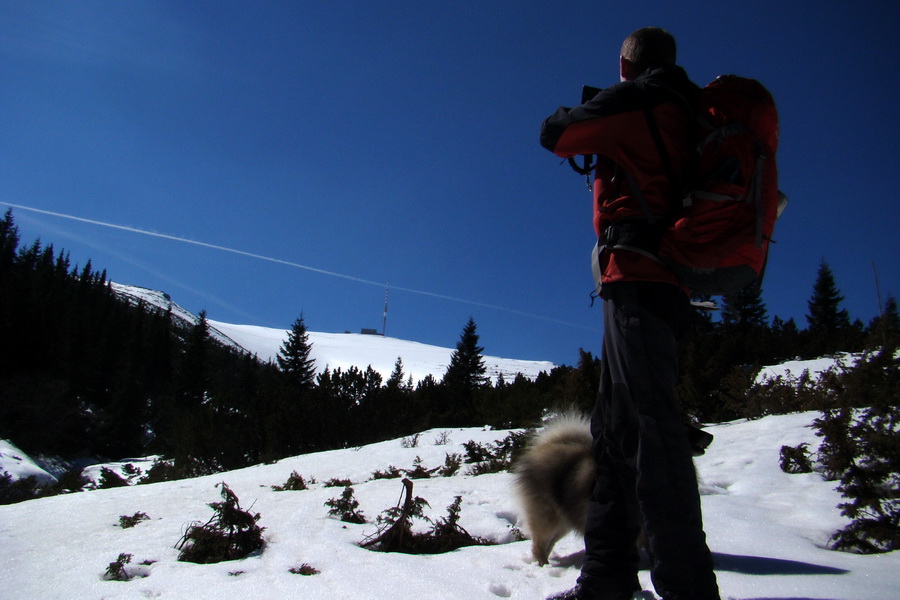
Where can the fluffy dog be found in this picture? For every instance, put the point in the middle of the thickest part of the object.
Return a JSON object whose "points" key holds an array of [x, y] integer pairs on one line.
{"points": [[554, 477]]}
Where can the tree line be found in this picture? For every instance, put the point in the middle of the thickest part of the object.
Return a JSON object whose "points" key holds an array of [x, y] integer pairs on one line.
{"points": [[87, 373]]}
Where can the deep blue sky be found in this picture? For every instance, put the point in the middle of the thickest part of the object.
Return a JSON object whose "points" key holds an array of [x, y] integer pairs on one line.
{"points": [[398, 142]]}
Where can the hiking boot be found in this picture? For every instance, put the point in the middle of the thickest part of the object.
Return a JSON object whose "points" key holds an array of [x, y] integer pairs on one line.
{"points": [[579, 593], [574, 594]]}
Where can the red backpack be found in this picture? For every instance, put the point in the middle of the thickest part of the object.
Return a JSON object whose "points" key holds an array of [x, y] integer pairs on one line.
{"points": [[719, 237]]}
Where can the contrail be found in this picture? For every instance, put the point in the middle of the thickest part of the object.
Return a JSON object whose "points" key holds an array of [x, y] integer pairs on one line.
{"points": [[288, 263]]}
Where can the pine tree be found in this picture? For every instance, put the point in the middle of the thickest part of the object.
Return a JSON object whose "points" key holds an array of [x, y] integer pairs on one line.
{"points": [[193, 432], [824, 306], [582, 383], [828, 323], [466, 371], [294, 357], [884, 331], [395, 381], [465, 375], [745, 309], [785, 340], [194, 368], [861, 448], [9, 241], [10, 291]]}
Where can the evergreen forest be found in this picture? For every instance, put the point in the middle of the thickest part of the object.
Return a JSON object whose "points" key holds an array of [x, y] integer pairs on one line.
{"points": [[87, 373]]}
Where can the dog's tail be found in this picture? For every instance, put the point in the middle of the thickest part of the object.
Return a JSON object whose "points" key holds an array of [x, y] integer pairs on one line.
{"points": [[554, 477]]}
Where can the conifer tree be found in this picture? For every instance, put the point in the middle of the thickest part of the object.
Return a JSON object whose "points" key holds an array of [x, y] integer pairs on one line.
{"points": [[828, 323], [785, 340], [860, 448], [884, 331], [745, 309], [466, 371], [465, 375], [193, 433], [395, 381], [582, 383], [194, 368], [9, 241], [294, 357]]}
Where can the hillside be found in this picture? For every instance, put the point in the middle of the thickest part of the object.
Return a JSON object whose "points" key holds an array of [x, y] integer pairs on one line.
{"points": [[339, 350], [767, 530]]}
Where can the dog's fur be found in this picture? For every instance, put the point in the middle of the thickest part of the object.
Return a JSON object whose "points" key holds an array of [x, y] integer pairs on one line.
{"points": [[554, 477]]}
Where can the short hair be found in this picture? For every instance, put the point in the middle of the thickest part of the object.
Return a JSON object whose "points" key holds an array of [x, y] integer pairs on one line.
{"points": [[648, 48]]}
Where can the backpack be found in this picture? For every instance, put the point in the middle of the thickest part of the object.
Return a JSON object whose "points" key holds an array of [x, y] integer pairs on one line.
{"points": [[718, 239]]}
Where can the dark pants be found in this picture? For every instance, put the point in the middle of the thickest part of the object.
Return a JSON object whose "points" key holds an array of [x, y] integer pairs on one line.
{"points": [[645, 472]]}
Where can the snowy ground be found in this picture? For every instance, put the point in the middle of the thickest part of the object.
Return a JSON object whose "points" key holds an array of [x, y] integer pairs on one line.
{"points": [[766, 528], [794, 370]]}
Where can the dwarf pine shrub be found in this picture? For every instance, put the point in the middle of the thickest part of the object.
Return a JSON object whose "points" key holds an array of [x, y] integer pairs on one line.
{"points": [[162, 470], [110, 479], [391, 472], [346, 508], [452, 464], [395, 533], [72, 480], [294, 483], [19, 490], [861, 448], [495, 457], [796, 459], [337, 482], [304, 569], [116, 569], [230, 534], [126, 522], [418, 470]]}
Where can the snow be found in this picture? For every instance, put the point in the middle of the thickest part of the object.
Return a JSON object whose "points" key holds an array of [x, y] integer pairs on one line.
{"points": [[793, 370], [338, 350], [767, 530], [343, 350], [19, 465]]}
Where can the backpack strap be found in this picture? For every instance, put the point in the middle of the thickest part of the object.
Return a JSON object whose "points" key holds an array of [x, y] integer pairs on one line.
{"points": [[643, 235], [638, 195], [660, 144], [636, 235], [693, 120]]}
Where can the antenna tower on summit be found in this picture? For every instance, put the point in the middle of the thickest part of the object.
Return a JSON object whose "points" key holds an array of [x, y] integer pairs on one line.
{"points": [[384, 321]]}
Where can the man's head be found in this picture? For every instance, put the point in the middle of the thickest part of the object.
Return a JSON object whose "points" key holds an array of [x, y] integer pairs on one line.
{"points": [[646, 48]]}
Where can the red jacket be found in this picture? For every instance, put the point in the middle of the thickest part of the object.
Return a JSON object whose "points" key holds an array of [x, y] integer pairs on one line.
{"points": [[614, 126]]}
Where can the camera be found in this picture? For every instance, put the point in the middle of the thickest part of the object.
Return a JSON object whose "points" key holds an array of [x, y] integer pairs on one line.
{"points": [[588, 92]]}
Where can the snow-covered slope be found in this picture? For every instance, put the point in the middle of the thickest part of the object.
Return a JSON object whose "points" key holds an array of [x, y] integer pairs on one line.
{"points": [[19, 465], [794, 370], [767, 530], [343, 350], [339, 350]]}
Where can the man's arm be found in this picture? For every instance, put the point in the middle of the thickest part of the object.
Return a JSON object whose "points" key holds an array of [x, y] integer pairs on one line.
{"points": [[596, 126]]}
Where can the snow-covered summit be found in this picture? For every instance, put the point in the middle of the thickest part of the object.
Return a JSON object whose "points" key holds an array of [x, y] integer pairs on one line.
{"points": [[344, 350], [338, 350]]}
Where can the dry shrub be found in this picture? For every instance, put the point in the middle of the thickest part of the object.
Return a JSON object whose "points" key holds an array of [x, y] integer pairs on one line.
{"points": [[230, 534]]}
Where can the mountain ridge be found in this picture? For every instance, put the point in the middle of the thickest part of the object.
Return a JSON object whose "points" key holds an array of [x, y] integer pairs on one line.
{"points": [[336, 350]]}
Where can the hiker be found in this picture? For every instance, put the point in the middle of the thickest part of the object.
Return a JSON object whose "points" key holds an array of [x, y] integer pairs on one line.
{"points": [[645, 476]]}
